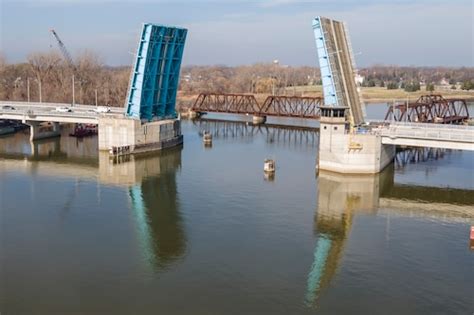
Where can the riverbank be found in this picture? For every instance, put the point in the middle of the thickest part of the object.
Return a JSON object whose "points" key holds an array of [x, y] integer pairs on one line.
{"points": [[382, 94]]}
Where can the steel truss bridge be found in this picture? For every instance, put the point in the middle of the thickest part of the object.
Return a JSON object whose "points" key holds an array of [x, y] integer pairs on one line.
{"points": [[430, 109], [247, 104]]}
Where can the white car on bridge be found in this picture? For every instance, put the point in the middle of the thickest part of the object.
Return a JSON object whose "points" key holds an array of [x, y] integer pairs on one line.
{"points": [[63, 109], [102, 109]]}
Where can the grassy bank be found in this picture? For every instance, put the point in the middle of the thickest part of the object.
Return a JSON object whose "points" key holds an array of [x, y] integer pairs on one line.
{"points": [[381, 94]]}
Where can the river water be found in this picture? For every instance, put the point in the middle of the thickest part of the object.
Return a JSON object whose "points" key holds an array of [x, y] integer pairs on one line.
{"points": [[202, 230]]}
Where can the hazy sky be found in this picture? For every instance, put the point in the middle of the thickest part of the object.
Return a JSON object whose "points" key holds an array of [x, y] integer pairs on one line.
{"points": [[233, 32]]}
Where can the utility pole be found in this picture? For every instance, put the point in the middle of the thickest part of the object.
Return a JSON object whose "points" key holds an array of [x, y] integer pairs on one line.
{"points": [[73, 92], [96, 98], [28, 88], [40, 93]]}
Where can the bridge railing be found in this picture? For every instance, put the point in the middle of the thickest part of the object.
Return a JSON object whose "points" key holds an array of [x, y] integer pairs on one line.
{"points": [[47, 104], [428, 132], [29, 114], [419, 125]]}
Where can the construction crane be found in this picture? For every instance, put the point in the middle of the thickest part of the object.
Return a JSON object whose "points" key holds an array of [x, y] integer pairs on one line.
{"points": [[63, 49], [70, 62]]}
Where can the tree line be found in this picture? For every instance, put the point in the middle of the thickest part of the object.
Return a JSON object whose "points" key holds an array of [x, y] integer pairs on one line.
{"points": [[411, 78], [47, 77]]}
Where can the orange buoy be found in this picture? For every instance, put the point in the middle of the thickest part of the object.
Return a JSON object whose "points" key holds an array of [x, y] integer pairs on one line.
{"points": [[472, 233]]}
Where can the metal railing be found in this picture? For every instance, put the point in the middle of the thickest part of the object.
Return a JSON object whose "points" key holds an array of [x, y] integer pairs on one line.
{"points": [[49, 105], [385, 123], [428, 132], [30, 113]]}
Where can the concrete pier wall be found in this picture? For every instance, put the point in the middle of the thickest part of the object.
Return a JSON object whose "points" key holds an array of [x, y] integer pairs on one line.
{"points": [[342, 152], [122, 132], [37, 132]]}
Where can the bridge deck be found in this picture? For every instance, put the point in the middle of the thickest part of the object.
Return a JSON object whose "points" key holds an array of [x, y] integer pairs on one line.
{"points": [[25, 111], [428, 135]]}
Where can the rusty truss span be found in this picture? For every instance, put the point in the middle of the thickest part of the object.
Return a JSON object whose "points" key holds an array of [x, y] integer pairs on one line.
{"points": [[430, 109], [247, 104]]}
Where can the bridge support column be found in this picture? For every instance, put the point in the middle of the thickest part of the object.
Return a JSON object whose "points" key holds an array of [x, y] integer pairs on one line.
{"points": [[352, 153], [36, 133], [122, 136], [259, 119]]}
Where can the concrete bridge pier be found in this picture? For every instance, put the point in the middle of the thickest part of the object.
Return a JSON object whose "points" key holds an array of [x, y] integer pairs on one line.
{"points": [[36, 133], [257, 120], [344, 151], [126, 136]]}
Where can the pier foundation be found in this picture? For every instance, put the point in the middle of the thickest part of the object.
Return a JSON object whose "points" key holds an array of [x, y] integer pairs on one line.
{"points": [[37, 133], [125, 135], [343, 151]]}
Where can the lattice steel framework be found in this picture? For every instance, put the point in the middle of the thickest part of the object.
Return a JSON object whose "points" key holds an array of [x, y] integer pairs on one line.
{"points": [[430, 109], [291, 106], [155, 75], [282, 106], [226, 103]]}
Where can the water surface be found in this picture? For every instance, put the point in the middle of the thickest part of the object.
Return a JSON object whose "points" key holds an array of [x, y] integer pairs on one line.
{"points": [[202, 230]]}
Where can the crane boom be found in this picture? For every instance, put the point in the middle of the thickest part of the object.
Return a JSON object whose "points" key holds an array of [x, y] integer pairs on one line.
{"points": [[63, 49]]}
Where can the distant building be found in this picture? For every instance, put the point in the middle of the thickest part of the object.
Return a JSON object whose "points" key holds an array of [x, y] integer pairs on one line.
{"points": [[187, 77], [444, 82], [359, 79]]}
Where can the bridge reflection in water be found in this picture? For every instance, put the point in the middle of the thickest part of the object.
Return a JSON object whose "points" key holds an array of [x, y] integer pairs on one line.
{"points": [[410, 155], [155, 203], [149, 179], [153, 193], [342, 197], [283, 135]]}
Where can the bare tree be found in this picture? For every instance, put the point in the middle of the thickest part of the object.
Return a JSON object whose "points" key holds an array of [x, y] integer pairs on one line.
{"points": [[3, 61], [42, 64]]}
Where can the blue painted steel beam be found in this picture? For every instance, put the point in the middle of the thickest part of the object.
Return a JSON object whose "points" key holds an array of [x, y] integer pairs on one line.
{"points": [[321, 253], [155, 77], [327, 77]]}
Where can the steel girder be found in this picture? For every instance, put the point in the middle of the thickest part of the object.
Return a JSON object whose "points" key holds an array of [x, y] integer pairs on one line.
{"points": [[155, 75]]}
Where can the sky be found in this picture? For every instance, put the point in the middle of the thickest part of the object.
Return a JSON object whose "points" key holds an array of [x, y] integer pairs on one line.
{"points": [[236, 32]]}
